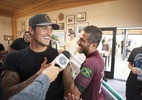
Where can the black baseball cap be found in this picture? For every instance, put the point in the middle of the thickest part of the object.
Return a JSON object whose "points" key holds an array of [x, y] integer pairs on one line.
{"points": [[42, 20]]}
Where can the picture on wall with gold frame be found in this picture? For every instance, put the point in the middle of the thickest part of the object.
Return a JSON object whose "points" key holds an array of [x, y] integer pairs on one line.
{"points": [[81, 16], [70, 19]]}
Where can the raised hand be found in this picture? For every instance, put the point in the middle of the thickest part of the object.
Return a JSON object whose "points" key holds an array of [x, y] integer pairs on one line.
{"points": [[43, 66]]}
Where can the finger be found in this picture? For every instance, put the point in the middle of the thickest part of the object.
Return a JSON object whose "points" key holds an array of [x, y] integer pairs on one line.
{"points": [[69, 96], [45, 61], [73, 97]]}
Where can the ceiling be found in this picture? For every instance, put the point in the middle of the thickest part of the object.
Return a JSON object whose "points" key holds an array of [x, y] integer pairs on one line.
{"points": [[8, 7]]}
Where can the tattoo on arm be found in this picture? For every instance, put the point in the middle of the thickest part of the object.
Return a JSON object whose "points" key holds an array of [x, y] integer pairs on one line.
{"points": [[11, 83], [67, 80]]}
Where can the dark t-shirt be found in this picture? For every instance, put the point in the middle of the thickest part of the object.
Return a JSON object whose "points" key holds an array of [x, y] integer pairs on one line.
{"points": [[132, 82], [1, 47], [19, 44], [89, 79], [26, 63]]}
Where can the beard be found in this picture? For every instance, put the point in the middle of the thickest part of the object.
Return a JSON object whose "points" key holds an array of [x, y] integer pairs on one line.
{"points": [[84, 49]]}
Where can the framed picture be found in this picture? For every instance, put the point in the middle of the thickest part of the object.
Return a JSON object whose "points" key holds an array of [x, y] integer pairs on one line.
{"points": [[81, 16], [79, 27], [70, 19], [23, 29], [61, 26], [22, 23], [61, 37], [69, 29], [54, 21]]}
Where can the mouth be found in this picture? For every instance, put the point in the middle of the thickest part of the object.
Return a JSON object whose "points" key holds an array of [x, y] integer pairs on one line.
{"points": [[79, 47], [47, 38]]}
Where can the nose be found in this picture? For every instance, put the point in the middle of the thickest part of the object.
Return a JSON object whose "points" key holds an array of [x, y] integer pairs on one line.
{"points": [[78, 41]]}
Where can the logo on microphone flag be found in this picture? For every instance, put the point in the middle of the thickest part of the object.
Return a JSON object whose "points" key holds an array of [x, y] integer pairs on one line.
{"points": [[85, 71]]}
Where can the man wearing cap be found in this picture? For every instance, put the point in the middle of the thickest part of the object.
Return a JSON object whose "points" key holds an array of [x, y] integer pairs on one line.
{"points": [[24, 66]]}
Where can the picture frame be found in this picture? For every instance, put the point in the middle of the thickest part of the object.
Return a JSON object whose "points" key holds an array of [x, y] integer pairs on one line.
{"points": [[81, 16], [70, 19], [61, 36], [69, 28], [61, 26], [79, 27], [54, 21], [22, 23]]}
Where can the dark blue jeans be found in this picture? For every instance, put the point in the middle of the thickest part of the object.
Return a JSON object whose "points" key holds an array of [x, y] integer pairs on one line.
{"points": [[130, 95]]}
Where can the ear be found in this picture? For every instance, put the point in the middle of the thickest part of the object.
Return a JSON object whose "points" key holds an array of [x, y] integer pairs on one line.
{"points": [[95, 45], [31, 30]]}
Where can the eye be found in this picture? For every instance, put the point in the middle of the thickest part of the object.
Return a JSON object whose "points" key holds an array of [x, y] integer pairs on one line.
{"points": [[44, 28], [51, 29]]}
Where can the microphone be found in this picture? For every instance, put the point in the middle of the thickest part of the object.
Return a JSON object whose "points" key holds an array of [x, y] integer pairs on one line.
{"points": [[75, 58], [75, 64], [62, 59]]}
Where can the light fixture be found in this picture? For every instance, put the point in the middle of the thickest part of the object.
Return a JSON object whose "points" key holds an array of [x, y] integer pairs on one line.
{"points": [[8, 38]]}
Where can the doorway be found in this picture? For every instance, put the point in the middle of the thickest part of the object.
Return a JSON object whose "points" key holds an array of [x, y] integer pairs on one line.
{"points": [[114, 54], [107, 49], [126, 39]]}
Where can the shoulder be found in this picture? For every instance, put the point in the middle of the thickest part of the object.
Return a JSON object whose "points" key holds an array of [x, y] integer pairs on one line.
{"points": [[18, 53]]}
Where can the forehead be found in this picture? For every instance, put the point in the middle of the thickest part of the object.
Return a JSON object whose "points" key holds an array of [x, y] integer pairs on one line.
{"points": [[27, 33], [84, 35]]}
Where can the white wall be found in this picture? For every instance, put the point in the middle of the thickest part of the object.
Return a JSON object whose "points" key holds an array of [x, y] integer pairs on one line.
{"points": [[5, 29], [118, 13]]}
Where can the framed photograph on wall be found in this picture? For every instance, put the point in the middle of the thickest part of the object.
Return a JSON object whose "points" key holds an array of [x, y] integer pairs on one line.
{"points": [[69, 29], [61, 37], [81, 16], [22, 23], [70, 19], [54, 21], [79, 27], [61, 26]]}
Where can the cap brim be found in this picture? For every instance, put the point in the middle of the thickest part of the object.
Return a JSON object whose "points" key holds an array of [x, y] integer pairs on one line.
{"points": [[54, 26]]}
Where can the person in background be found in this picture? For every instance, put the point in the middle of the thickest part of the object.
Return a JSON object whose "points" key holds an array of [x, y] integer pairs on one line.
{"points": [[87, 84], [21, 43], [71, 43], [104, 43], [22, 67], [133, 84], [3, 53]]}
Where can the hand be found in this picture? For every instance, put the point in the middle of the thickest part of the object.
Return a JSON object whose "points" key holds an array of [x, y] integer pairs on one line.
{"points": [[43, 66], [72, 97], [52, 72], [135, 70]]}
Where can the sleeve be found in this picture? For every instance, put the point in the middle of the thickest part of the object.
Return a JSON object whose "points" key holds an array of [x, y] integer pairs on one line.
{"points": [[14, 44], [131, 57], [1, 47], [11, 61], [84, 77], [35, 91]]}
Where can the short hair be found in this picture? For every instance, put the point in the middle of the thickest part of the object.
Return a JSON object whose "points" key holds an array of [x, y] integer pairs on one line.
{"points": [[95, 34]]}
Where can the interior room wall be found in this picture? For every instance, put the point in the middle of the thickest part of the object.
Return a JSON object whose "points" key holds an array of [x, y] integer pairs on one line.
{"points": [[118, 13], [5, 29]]}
